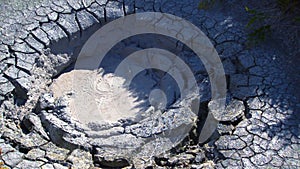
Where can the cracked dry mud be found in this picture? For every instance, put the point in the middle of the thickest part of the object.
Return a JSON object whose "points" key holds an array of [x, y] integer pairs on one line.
{"points": [[40, 40]]}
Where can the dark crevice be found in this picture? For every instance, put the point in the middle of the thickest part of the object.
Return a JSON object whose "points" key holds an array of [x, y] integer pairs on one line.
{"points": [[64, 30], [93, 152], [61, 162], [227, 81], [14, 50], [101, 162], [193, 137], [79, 25], [24, 150], [19, 93], [69, 5], [134, 7], [94, 15], [118, 163], [46, 35], [105, 17], [60, 142], [18, 67], [161, 161], [37, 39], [202, 115], [233, 123], [214, 154], [247, 113], [24, 129], [124, 8], [239, 67]]}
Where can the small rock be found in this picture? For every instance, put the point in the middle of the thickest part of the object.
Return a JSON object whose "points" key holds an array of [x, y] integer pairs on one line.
{"points": [[35, 154], [227, 142], [234, 111], [6, 86], [80, 159], [247, 163], [53, 16], [182, 159], [246, 61], [260, 159], [194, 166], [25, 164], [200, 157], [32, 122], [24, 83], [47, 166], [6, 148], [12, 158], [173, 160], [225, 129], [277, 161], [55, 153], [59, 166], [193, 150]]}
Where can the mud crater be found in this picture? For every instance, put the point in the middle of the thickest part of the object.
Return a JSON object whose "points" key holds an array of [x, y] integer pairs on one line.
{"points": [[100, 111]]}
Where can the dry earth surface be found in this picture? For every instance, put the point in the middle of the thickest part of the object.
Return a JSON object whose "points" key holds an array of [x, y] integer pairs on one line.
{"points": [[40, 40]]}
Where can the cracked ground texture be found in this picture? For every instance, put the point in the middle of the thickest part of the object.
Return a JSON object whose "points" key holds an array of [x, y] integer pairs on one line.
{"points": [[39, 39]]}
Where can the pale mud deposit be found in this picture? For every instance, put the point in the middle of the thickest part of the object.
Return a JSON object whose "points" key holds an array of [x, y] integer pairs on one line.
{"points": [[94, 97]]}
